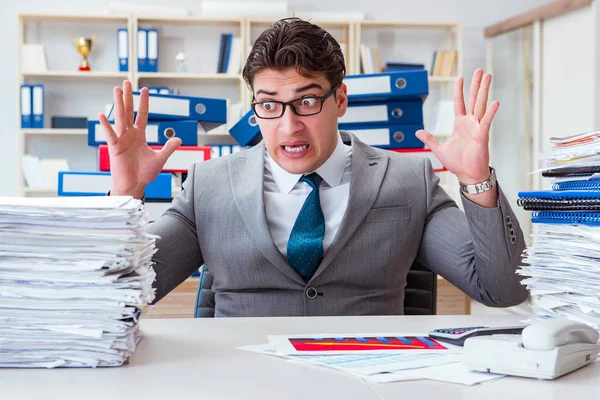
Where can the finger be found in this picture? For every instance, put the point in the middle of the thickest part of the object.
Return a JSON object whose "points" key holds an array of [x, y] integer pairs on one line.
{"points": [[459, 98], [168, 149], [486, 121], [111, 136], [142, 116], [475, 83], [128, 100], [482, 97], [429, 140], [120, 120]]}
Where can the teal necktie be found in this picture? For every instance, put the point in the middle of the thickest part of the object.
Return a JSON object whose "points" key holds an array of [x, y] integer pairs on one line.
{"points": [[305, 246]]}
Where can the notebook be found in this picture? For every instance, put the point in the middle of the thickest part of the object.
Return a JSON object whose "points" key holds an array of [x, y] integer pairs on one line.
{"points": [[575, 171], [560, 199], [554, 217]]}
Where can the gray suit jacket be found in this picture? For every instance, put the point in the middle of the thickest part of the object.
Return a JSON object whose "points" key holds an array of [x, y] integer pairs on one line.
{"points": [[396, 212]]}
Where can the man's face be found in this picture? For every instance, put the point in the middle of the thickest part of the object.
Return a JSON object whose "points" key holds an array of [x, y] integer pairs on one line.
{"points": [[299, 144]]}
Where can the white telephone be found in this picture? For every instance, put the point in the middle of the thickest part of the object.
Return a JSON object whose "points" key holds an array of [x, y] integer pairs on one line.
{"points": [[546, 350]]}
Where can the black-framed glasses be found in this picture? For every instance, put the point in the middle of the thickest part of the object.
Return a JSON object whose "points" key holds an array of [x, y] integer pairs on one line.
{"points": [[303, 106]]}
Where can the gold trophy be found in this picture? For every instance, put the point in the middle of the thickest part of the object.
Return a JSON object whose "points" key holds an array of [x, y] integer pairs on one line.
{"points": [[84, 46]]}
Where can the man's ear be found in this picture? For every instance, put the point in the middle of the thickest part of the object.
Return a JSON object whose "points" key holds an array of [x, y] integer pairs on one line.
{"points": [[341, 96]]}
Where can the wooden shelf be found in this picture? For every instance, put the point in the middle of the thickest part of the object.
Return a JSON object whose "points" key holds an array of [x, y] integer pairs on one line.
{"points": [[73, 18], [76, 74], [42, 192], [266, 22], [400, 24], [52, 131], [189, 20], [177, 75]]}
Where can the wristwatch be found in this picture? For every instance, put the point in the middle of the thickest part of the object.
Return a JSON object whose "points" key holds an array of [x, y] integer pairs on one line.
{"points": [[480, 187]]}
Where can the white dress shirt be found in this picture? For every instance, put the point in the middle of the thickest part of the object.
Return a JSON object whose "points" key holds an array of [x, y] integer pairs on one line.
{"points": [[284, 195]]}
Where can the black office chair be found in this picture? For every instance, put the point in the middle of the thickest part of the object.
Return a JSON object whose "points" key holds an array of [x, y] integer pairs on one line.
{"points": [[420, 294]]}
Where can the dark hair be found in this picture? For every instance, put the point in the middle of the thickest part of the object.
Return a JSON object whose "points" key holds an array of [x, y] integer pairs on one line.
{"points": [[294, 43]]}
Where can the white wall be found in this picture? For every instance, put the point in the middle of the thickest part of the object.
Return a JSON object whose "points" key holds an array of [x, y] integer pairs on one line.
{"points": [[473, 14]]}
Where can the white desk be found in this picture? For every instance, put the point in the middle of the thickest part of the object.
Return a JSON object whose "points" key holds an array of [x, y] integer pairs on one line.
{"points": [[197, 359]]}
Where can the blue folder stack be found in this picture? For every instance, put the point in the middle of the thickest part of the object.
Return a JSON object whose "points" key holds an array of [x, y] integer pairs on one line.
{"points": [[386, 109], [169, 116], [563, 264]]}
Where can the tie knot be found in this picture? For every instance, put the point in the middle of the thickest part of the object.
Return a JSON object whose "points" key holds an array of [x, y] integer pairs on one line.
{"points": [[314, 180]]}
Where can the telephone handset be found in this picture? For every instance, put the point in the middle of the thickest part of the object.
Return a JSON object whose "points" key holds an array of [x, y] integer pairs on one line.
{"points": [[545, 349]]}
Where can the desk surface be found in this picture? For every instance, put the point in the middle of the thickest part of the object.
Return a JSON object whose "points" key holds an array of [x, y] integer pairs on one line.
{"points": [[197, 358]]}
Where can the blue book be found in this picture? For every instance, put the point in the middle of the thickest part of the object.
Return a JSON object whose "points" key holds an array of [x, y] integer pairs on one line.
{"points": [[100, 183], [389, 136], [157, 132], [377, 113], [385, 86], [246, 131], [571, 218], [210, 112], [577, 185]]}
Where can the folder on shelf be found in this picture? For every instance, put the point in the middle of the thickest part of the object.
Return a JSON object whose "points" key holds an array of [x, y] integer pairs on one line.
{"points": [[142, 50], [157, 132], [388, 136], [209, 112], [37, 106], [26, 109], [100, 183], [180, 161], [398, 112], [396, 85], [159, 89], [435, 162], [152, 64], [246, 130], [123, 49]]}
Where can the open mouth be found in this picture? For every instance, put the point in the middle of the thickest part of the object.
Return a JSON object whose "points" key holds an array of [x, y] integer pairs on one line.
{"points": [[296, 149]]}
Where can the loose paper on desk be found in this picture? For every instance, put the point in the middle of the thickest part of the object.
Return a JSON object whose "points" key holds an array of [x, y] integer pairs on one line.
{"points": [[359, 344]]}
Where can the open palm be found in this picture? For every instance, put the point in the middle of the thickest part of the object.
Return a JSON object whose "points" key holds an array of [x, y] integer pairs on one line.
{"points": [[133, 164], [466, 152]]}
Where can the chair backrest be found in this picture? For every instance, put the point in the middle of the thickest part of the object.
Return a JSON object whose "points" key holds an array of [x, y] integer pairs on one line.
{"points": [[420, 294]]}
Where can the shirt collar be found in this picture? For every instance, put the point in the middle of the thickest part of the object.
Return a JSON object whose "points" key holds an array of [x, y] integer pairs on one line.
{"points": [[331, 171]]}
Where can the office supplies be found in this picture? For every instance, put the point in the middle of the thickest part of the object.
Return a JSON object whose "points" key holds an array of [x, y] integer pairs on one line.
{"points": [[157, 132], [385, 86], [209, 112], [123, 49], [388, 136], [246, 130], [435, 162], [391, 112], [78, 183], [37, 100], [60, 122], [26, 107], [457, 336], [544, 350], [358, 344], [142, 46], [566, 200], [152, 63], [179, 161], [449, 372]]}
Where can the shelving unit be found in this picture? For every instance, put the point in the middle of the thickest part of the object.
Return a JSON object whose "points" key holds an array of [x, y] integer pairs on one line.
{"points": [[200, 78]]}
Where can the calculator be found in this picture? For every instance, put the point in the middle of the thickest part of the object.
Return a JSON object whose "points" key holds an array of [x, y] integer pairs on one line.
{"points": [[457, 336]]}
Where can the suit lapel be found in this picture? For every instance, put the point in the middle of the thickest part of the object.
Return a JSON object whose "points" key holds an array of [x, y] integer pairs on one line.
{"points": [[246, 173], [368, 170]]}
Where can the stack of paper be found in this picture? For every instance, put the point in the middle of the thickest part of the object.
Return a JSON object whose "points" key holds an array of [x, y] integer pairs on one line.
{"points": [[75, 274], [563, 263], [379, 358]]}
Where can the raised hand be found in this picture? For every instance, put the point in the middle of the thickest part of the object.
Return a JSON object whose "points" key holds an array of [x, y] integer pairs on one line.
{"points": [[133, 164], [466, 153]]}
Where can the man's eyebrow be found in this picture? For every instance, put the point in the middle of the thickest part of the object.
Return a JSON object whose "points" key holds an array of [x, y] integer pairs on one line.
{"points": [[298, 90], [309, 86]]}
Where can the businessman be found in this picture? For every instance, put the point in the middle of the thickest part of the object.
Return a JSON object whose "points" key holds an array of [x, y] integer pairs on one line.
{"points": [[312, 221]]}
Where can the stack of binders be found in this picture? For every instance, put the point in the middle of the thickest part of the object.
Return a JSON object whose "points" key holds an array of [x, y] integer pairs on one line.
{"points": [[169, 116], [563, 265]]}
